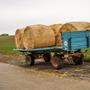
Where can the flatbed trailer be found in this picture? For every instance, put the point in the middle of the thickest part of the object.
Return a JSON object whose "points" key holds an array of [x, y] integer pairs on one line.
{"points": [[69, 52]]}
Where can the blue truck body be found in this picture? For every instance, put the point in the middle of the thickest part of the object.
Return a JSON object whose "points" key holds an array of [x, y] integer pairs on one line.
{"points": [[72, 41]]}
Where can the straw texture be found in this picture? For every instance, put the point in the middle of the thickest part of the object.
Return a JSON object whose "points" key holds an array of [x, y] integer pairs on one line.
{"points": [[38, 36], [56, 28], [19, 38]]}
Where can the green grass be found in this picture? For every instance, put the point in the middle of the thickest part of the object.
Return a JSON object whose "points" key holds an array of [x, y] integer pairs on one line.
{"points": [[7, 44], [87, 54]]}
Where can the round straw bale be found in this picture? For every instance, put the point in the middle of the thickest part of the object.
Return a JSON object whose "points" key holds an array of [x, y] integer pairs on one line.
{"points": [[74, 26], [19, 38], [38, 36], [56, 29]]}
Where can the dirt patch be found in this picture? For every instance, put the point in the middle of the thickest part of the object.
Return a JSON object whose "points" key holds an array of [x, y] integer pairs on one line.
{"points": [[81, 72]]}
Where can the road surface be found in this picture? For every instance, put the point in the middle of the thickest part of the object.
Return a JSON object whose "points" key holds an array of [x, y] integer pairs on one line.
{"points": [[18, 78]]}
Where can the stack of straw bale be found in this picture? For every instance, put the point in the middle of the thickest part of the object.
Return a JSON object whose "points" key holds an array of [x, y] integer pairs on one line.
{"points": [[39, 36]]}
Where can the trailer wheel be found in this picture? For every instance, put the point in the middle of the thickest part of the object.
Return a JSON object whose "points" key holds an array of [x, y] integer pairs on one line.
{"points": [[47, 57], [56, 62], [30, 60], [78, 60]]}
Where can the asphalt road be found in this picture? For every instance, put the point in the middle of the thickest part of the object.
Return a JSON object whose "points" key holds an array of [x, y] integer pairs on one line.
{"points": [[18, 78]]}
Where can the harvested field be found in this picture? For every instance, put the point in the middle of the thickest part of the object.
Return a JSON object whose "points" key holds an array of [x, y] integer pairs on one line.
{"points": [[7, 44]]}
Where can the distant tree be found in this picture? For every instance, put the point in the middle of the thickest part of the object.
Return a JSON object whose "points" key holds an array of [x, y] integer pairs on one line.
{"points": [[4, 34]]}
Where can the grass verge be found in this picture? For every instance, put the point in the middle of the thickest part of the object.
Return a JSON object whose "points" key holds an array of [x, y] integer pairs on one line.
{"points": [[7, 45]]}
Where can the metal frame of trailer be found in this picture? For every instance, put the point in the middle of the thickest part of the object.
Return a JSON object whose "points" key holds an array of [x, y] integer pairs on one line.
{"points": [[70, 52]]}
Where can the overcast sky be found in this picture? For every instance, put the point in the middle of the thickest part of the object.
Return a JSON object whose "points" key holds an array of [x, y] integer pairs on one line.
{"points": [[19, 13]]}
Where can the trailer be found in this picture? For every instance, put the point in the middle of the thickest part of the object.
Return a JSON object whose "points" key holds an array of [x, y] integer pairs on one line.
{"points": [[70, 51]]}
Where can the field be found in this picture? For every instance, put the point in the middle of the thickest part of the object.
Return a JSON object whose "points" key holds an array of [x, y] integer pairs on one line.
{"points": [[7, 44]]}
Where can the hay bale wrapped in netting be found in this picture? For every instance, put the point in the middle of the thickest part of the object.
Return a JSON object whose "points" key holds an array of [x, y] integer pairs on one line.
{"points": [[56, 29], [19, 38], [38, 36]]}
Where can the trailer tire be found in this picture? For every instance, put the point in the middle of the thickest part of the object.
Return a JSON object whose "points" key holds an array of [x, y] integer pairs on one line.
{"points": [[56, 62], [30, 60], [79, 60], [47, 57]]}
